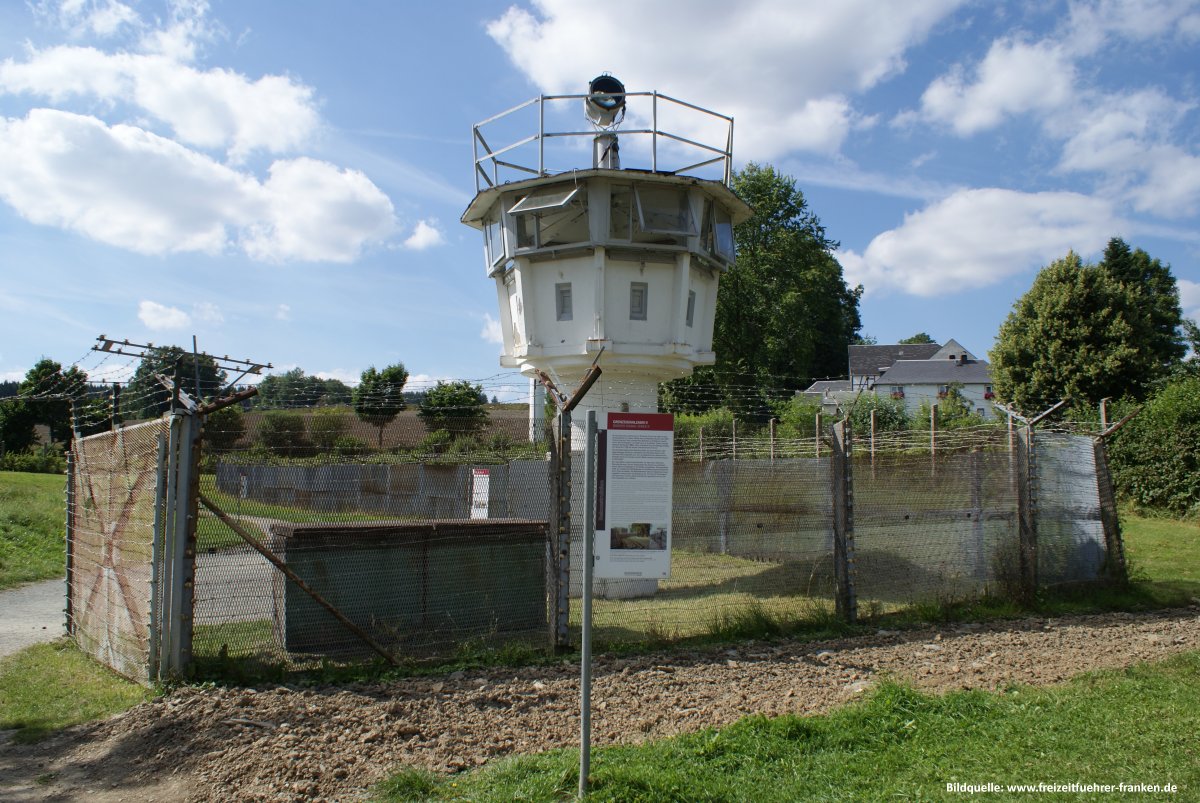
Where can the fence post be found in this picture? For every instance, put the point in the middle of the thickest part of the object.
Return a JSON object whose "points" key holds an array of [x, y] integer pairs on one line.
{"points": [[179, 544], [817, 435], [69, 621], [1113, 542], [977, 532], [560, 534], [1027, 512], [772, 428], [842, 472]]}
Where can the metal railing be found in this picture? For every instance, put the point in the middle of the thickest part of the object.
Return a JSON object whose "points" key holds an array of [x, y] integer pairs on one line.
{"points": [[488, 163]]}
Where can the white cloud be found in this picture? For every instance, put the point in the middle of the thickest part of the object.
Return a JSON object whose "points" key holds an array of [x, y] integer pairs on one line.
{"points": [[976, 238], [1092, 23], [317, 212], [787, 86], [132, 189], [1189, 298], [491, 331], [283, 312], [207, 312], [341, 374], [157, 316], [213, 109], [425, 235], [1015, 77]]}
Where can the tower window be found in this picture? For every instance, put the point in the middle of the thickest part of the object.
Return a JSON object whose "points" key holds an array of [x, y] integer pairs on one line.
{"points": [[691, 308], [562, 303], [638, 299]]}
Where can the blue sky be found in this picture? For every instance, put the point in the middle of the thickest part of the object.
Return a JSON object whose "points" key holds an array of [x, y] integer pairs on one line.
{"points": [[285, 180]]}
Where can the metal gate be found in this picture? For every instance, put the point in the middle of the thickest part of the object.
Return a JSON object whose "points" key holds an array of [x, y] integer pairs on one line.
{"points": [[130, 517]]}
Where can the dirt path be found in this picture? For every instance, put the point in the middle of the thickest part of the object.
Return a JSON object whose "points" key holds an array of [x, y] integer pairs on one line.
{"points": [[30, 614], [289, 744]]}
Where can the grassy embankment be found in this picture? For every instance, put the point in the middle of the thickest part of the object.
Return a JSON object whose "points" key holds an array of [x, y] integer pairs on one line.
{"points": [[32, 516]]}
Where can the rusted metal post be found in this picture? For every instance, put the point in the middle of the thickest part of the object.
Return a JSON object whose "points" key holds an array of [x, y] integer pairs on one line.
{"points": [[1113, 542], [1027, 513]]}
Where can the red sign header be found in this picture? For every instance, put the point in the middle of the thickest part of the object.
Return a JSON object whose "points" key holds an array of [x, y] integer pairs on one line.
{"points": [[658, 422]]}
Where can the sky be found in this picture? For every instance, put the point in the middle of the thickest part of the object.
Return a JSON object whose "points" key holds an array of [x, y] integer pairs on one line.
{"points": [[284, 181]]}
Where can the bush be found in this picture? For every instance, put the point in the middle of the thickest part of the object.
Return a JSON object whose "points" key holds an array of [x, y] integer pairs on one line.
{"points": [[46, 460], [798, 418], [223, 429], [327, 426], [890, 414], [435, 442], [1155, 458], [346, 446], [283, 434]]}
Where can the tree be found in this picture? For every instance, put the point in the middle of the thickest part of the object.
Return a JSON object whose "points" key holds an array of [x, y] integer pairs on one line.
{"points": [[293, 389], [455, 407], [1156, 457], [1153, 299], [380, 396], [16, 425], [146, 397], [1086, 332], [919, 337], [784, 312], [50, 394]]}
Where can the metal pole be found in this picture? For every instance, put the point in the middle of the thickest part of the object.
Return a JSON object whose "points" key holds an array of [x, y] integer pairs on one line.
{"points": [[654, 132], [70, 533], [772, 425], [541, 137], [156, 556], [589, 538]]}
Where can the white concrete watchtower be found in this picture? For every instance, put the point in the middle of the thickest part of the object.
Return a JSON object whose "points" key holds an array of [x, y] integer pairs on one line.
{"points": [[601, 259]]}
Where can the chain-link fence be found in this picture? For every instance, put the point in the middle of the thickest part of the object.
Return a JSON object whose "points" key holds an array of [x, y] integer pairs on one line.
{"points": [[303, 551], [114, 497]]}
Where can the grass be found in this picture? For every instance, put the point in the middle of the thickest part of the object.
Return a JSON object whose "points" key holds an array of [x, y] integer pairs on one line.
{"points": [[48, 687], [1130, 726], [32, 523]]}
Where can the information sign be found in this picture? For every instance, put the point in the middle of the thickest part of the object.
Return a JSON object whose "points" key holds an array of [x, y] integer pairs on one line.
{"points": [[635, 457]]}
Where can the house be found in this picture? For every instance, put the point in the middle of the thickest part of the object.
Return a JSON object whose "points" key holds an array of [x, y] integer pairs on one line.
{"points": [[867, 363], [928, 380], [918, 373]]}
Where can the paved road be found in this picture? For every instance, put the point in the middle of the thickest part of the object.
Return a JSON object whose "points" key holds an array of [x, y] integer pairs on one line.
{"points": [[30, 614]]}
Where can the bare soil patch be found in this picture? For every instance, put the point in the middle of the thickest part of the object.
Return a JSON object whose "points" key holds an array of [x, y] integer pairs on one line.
{"points": [[331, 743]]}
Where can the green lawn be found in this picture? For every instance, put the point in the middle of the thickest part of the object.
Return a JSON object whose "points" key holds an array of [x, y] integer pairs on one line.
{"points": [[1133, 726], [32, 523], [48, 687], [1163, 556]]}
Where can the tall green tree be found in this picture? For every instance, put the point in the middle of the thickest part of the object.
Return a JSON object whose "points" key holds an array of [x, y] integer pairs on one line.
{"points": [[379, 397], [784, 311], [1086, 331], [146, 397], [50, 392], [457, 407], [1152, 296]]}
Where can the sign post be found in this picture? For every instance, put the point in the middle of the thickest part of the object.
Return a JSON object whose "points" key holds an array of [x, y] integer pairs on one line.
{"points": [[585, 669], [480, 482]]}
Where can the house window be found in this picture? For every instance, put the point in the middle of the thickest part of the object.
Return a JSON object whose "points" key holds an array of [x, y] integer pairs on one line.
{"points": [[897, 391], [562, 300], [638, 292], [691, 309], [551, 216]]}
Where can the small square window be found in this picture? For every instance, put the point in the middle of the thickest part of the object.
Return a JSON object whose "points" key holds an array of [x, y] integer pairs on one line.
{"points": [[562, 292], [691, 309], [638, 300]]}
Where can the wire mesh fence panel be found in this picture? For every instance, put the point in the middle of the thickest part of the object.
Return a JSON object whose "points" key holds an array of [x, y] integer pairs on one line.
{"points": [[111, 551], [1070, 530], [749, 537], [424, 551], [935, 525]]}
